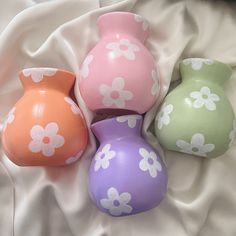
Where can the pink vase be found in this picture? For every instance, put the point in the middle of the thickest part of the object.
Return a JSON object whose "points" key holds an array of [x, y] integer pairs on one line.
{"points": [[119, 74]]}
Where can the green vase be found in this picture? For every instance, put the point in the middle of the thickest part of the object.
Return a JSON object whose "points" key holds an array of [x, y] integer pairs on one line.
{"points": [[196, 117]]}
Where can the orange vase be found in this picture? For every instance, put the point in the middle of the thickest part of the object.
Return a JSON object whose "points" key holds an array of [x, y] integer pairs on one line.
{"points": [[45, 127]]}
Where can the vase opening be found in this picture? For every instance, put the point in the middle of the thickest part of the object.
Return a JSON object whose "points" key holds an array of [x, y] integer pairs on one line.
{"points": [[121, 24], [44, 78], [205, 69], [121, 126]]}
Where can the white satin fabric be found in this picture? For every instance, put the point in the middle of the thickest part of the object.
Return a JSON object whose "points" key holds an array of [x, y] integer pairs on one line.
{"points": [[34, 201]]}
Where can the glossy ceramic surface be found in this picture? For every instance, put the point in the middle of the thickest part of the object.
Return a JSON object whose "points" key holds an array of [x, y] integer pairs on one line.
{"points": [[119, 73], [196, 117], [126, 176], [45, 127]]}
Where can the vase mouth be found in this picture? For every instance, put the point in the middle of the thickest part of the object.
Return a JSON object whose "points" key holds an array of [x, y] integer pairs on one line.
{"points": [[204, 59], [205, 68], [115, 118], [47, 78], [45, 70], [117, 13], [123, 23]]}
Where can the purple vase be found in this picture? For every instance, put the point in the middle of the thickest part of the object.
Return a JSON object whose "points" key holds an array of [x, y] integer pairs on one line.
{"points": [[126, 175]]}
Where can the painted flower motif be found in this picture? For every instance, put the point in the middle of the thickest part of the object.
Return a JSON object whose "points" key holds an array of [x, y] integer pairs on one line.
{"points": [[140, 19], [197, 63], [103, 158], [197, 145], [163, 117], [10, 118], [115, 94], [74, 108], [37, 74], [73, 159], [149, 162], [155, 87], [204, 97], [85, 66], [45, 140], [123, 48], [131, 120], [116, 203], [232, 134]]}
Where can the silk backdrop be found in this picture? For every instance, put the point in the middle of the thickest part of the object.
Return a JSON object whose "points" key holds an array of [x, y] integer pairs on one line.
{"points": [[201, 198]]}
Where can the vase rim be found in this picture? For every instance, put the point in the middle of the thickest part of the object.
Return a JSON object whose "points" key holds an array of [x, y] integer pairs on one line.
{"points": [[113, 118], [127, 13], [48, 69], [204, 58]]}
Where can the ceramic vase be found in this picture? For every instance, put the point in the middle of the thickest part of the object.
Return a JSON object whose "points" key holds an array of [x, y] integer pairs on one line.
{"points": [[196, 117], [119, 74], [126, 175], [45, 127]]}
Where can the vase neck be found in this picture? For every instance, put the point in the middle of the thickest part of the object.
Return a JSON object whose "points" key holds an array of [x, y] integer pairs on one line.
{"points": [[205, 70], [117, 127], [120, 24], [47, 79]]}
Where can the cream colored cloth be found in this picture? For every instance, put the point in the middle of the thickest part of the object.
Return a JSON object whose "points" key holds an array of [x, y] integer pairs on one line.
{"points": [[201, 198]]}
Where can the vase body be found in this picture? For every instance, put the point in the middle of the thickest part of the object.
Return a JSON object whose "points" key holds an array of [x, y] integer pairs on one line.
{"points": [[45, 127], [126, 175], [196, 117], [119, 74]]}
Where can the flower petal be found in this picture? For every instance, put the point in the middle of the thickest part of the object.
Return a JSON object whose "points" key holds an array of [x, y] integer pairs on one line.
{"points": [[209, 147], [48, 150], [195, 94], [197, 140], [196, 65], [120, 103], [184, 146], [57, 141], [105, 163], [143, 152], [126, 209], [106, 203], [110, 155], [134, 47], [159, 122], [107, 101], [143, 165], [158, 165], [152, 171], [168, 108], [104, 90], [125, 197], [121, 119], [126, 95], [112, 193], [35, 146], [165, 119], [129, 54], [210, 105], [154, 88], [214, 97], [118, 83], [106, 148], [97, 164], [198, 103], [205, 90], [125, 42], [115, 211], [37, 132], [112, 46], [51, 129]]}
